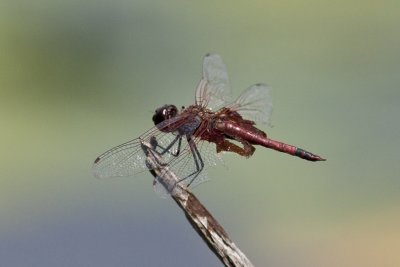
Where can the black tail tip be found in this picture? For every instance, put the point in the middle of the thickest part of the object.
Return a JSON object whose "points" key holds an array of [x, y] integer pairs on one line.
{"points": [[301, 153], [317, 158]]}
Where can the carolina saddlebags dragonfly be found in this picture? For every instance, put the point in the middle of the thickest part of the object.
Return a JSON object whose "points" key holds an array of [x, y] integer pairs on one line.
{"points": [[189, 139]]}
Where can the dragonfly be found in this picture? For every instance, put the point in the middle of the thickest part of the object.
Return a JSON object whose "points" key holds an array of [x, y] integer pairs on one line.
{"points": [[189, 139]]}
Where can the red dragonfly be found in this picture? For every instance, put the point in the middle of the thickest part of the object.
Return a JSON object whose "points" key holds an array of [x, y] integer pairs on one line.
{"points": [[191, 138]]}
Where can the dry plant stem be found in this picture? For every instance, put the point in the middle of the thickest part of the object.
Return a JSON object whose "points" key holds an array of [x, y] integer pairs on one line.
{"points": [[199, 217]]}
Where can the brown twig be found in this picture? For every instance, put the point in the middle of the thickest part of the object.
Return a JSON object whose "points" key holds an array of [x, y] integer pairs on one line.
{"points": [[199, 217]]}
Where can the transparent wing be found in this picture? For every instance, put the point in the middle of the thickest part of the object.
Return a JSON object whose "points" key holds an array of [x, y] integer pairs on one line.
{"points": [[255, 103], [129, 159], [186, 165], [124, 160], [213, 90]]}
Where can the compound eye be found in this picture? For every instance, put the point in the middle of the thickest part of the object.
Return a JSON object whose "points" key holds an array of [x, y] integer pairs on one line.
{"points": [[160, 115], [172, 111], [164, 113]]}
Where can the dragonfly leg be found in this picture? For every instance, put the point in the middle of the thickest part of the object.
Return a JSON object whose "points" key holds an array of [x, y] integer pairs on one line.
{"points": [[197, 160], [247, 150], [155, 145]]}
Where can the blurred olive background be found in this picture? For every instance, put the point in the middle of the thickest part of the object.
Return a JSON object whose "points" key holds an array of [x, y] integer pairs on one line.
{"points": [[77, 78]]}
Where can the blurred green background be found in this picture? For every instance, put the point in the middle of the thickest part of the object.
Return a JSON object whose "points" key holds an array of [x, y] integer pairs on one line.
{"points": [[77, 78]]}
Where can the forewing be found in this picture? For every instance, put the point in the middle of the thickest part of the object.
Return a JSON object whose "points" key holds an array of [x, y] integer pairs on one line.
{"points": [[129, 159], [255, 103], [123, 160], [213, 90]]}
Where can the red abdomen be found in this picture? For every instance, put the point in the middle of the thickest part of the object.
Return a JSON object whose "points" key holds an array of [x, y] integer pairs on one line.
{"points": [[257, 137]]}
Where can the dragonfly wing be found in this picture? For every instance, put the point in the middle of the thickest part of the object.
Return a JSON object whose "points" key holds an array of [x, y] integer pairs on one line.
{"points": [[186, 169], [255, 104], [123, 160], [129, 158], [213, 90], [187, 165]]}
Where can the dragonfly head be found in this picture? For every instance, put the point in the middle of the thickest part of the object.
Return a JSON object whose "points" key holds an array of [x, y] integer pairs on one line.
{"points": [[164, 113]]}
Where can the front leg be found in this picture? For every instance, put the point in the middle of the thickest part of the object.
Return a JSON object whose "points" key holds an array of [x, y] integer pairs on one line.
{"points": [[154, 144]]}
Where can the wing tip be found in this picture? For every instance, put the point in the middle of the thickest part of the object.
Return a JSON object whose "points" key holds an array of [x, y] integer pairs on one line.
{"points": [[212, 55], [261, 85]]}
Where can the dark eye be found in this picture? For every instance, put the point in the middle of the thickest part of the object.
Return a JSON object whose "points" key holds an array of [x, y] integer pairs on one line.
{"points": [[172, 111], [164, 113]]}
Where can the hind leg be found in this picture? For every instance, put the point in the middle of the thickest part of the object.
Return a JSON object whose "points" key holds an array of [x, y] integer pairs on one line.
{"points": [[247, 150]]}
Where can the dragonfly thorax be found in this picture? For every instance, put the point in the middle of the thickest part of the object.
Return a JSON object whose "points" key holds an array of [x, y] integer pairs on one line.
{"points": [[164, 113]]}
